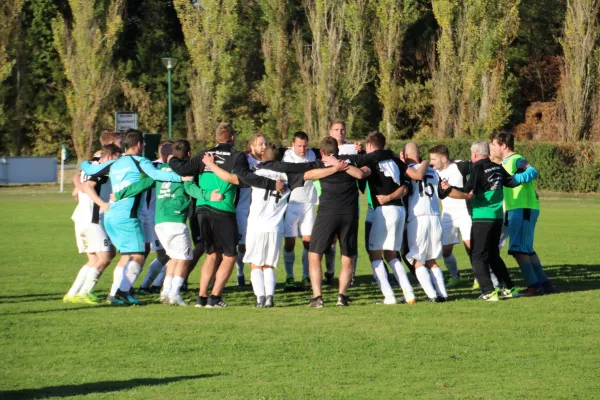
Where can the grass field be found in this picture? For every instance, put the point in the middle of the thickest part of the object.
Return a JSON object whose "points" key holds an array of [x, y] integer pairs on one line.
{"points": [[546, 347]]}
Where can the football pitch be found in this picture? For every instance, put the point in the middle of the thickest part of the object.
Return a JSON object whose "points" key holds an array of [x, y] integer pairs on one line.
{"points": [[527, 348]]}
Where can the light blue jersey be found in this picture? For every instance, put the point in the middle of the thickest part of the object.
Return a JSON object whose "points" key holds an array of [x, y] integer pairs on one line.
{"points": [[123, 172]]}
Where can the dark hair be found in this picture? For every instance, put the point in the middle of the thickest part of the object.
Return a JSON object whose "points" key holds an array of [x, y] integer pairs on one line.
{"points": [[441, 150], [377, 139], [181, 148], [337, 121], [110, 150], [505, 138], [224, 132], [165, 148], [108, 137], [272, 153], [132, 138], [300, 135], [329, 146]]}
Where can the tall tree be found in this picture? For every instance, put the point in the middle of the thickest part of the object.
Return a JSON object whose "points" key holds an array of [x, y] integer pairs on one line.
{"points": [[578, 95], [275, 85], [86, 46], [392, 18], [470, 70], [10, 12], [209, 28]]}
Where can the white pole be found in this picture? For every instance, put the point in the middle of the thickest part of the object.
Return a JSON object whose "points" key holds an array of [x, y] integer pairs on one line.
{"points": [[62, 174]]}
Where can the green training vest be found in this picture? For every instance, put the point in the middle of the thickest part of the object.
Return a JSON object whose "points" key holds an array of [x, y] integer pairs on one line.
{"points": [[524, 195]]}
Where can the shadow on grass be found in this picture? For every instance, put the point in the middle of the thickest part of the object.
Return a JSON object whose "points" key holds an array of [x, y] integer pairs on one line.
{"points": [[574, 277], [94, 387]]}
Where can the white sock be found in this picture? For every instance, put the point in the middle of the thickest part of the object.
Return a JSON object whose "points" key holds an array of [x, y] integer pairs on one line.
{"points": [[289, 257], [494, 279], [258, 283], [153, 271], [78, 281], [382, 278], [305, 273], [438, 281], [176, 286], [269, 276], [402, 278], [240, 263], [425, 281], [131, 273], [90, 281], [452, 265], [166, 288], [354, 264], [330, 260], [117, 279], [161, 277]]}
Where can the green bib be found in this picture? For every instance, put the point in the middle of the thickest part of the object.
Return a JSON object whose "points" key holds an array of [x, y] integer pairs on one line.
{"points": [[524, 195]]}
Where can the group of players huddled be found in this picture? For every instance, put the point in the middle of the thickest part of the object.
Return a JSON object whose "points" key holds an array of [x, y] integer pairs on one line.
{"points": [[244, 206]]}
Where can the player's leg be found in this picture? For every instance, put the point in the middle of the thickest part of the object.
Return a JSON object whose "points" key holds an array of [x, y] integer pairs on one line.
{"points": [[519, 249], [450, 237], [242, 226], [71, 296], [529, 227], [437, 278], [433, 253], [166, 287], [497, 264], [273, 248], [393, 244], [480, 239], [256, 249], [154, 269], [257, 279], [306, 227], [104, 251], [226, 237], [378, 233], [348, 237], [330, 256], [305, 274], [323, 232], [291, 230], [417, 231]]}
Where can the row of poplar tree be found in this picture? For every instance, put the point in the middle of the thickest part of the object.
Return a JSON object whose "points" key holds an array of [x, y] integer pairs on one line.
{"points": [[407, 67]]}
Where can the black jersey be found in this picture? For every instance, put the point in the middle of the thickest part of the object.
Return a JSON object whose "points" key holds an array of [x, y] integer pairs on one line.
{"points": [[386, 177]]}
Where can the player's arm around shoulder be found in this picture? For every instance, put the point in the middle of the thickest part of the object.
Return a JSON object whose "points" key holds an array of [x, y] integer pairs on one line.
{"points": [[197, 192], [157, 174], [525, 173], [209, 161], [134, 189], [320, 173], [96, 170], [418, 171]]}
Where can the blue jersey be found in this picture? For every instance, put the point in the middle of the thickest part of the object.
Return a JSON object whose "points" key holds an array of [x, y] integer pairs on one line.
{"points": [[123, 172]]}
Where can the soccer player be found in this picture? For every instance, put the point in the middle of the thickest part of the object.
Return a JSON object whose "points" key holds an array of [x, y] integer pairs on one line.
{"points": [[217, 220], [456, 220], [485, 190], [523, 208], [257, 145], [300, 213], [147, 216], [121, 221], [90, 234], [424, 231], [387, 186]]}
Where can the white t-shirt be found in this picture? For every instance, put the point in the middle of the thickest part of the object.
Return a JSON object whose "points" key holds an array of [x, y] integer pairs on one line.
{"points": [[453, 176], [306, 194], [268, 206], [84, 209], [347, 149], [245, 192], [424, 199]]}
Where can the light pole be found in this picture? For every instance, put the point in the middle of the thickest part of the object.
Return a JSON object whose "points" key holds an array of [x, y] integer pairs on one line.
{"points": [[170, 63]]}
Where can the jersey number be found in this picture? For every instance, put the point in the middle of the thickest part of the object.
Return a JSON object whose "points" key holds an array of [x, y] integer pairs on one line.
{"points": [[273, 193], [423, 186]]}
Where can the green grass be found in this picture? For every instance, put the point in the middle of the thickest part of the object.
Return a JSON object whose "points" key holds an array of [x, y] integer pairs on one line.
{"points": [[546, 347]]}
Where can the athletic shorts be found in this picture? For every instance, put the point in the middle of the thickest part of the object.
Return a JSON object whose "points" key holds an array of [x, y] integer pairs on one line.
{"points": [[299, 220], [263, 248], [328, 226], [219, 233], [126, 234], [387, 228], [194, 229], [149, 233], [521, 227], [424, 239], [368, 224], [455, 227], [175, 237], [241, 217], [91, 238]]}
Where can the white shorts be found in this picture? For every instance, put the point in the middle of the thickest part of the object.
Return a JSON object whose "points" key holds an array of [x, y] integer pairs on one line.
{"points": [[91, 238], [453, 225], [424, 239], [241, 216], [387, 229], [149, 232], [299, 220], [262, 248], [175, 237]]}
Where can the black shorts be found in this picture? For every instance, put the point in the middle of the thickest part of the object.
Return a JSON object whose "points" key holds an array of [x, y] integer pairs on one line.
{"points": [[195, 228], [328, 226], [218, 233]]}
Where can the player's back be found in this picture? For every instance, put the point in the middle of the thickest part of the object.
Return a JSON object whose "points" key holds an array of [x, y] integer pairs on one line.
{"points": [[424, 199], [455, 178], [267, 207], [124, 172], [339, 195]]}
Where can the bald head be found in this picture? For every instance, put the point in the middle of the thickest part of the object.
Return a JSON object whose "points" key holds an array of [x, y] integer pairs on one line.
{"points": [[411, 152]]}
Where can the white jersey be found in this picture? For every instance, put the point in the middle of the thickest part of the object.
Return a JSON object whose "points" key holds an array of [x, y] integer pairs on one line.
{"points": [[84, 209], [245, 192], [347, 149], [453, 206], [268, 206], [424, 199], [306, 194]]}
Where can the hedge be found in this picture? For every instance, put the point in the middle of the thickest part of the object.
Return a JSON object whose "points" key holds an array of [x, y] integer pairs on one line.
{"points": [[563, 167]]}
